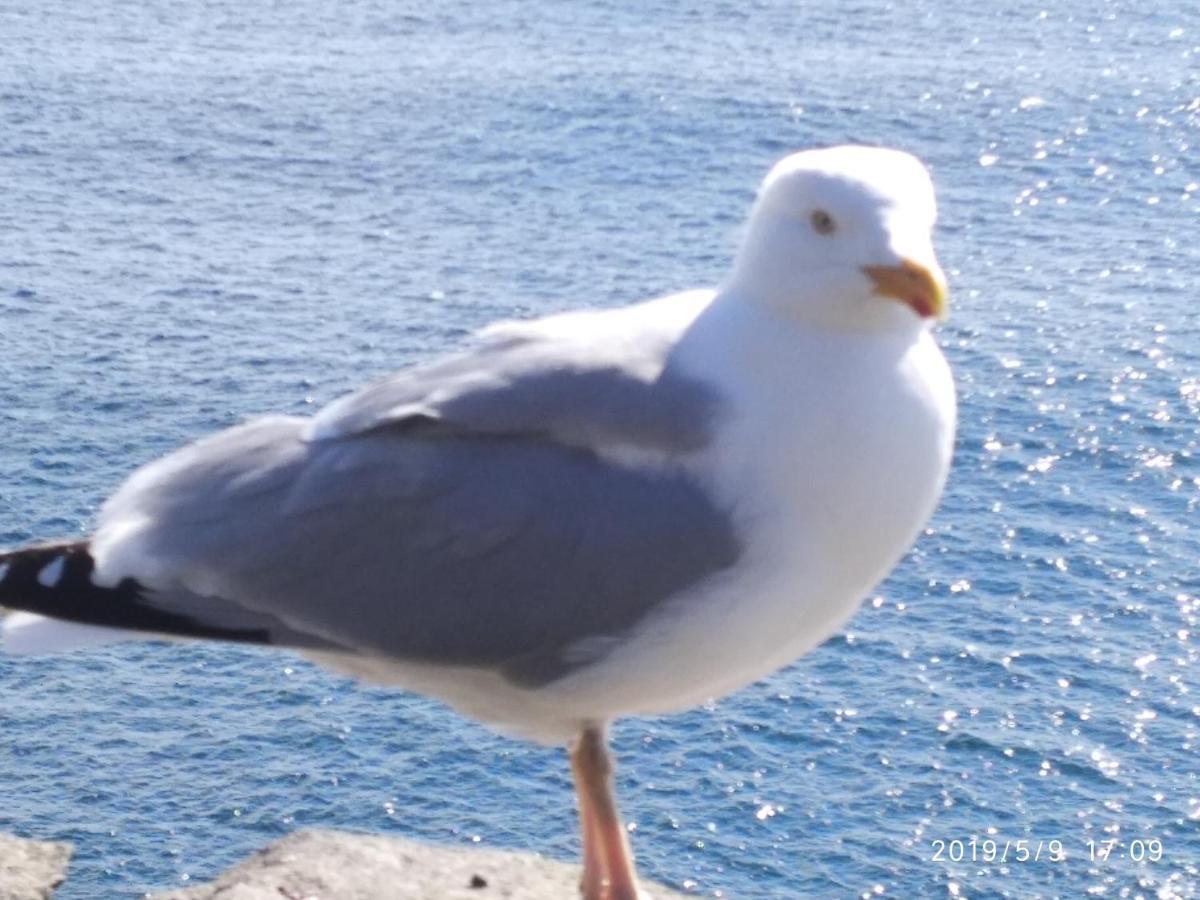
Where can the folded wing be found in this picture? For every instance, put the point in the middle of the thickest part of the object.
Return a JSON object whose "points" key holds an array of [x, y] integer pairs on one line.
{"points": [[481, 511]]}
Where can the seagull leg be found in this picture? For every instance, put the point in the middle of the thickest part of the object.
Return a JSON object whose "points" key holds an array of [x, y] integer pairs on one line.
{"points": [[591, 885], [608, 868]]}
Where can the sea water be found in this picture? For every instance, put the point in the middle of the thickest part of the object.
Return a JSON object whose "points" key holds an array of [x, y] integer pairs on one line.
{"points": [[211, 209]]}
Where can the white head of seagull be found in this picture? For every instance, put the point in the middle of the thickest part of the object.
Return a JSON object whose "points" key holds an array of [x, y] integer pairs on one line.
{"points": [[838, 236]]}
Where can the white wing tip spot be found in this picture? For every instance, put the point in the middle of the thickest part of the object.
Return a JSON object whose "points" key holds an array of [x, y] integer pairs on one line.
{"points": [[51, 572], [4, 567]]}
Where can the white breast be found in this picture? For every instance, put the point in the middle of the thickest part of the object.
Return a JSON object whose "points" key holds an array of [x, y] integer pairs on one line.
{"points": [[831, 464]]}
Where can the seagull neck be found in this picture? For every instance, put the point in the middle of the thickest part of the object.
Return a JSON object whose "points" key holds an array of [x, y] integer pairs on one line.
{"points": [[824, 297], [742, 337]]}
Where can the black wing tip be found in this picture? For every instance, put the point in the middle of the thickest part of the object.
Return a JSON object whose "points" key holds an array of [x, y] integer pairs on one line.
{"points": [[41, 567], [43, 549], [55, 579]]}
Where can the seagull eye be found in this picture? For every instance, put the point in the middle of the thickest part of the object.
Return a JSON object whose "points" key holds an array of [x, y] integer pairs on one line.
{"points": [[822, 222]]}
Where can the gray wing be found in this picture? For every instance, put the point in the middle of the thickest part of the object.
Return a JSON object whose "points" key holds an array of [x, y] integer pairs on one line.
{"points": [[577, 389], [486, 529]]}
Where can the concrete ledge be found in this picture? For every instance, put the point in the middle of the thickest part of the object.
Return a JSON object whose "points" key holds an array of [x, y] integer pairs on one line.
{"points": [[31, 870], [332, 865]]}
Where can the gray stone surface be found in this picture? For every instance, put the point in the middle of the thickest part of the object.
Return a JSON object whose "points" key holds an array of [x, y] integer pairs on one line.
{"points": [[331, 865], [31, 870]]}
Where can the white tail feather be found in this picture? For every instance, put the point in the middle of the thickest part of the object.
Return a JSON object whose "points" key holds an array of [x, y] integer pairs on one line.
{"points": [[28, 634]]}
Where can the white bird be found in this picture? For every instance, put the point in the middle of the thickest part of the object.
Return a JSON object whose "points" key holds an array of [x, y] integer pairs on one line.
{"points": [[595, 514]]}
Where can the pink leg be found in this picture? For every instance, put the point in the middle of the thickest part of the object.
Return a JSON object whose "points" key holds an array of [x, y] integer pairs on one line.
{"points": [[608, 872], [591, 885]]}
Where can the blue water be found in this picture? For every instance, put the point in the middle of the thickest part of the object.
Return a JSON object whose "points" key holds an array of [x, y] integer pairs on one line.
{"points": [[210, 209]]}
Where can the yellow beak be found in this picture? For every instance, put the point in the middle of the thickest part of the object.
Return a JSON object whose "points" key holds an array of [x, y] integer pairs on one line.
{"points": [[913, 285]]}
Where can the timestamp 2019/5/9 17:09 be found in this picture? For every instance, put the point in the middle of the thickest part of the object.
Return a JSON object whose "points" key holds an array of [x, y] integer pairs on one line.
{"points": [[1054, 850]]}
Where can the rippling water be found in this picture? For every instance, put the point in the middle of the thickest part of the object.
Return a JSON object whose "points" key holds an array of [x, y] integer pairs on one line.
{"points": [[208, 211]]}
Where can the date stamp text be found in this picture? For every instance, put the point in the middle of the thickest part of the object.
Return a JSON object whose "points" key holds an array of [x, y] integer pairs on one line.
{"points": [[1049, 850]]}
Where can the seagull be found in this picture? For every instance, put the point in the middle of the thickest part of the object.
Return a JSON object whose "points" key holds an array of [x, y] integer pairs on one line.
{"points": [[589, 515]]}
